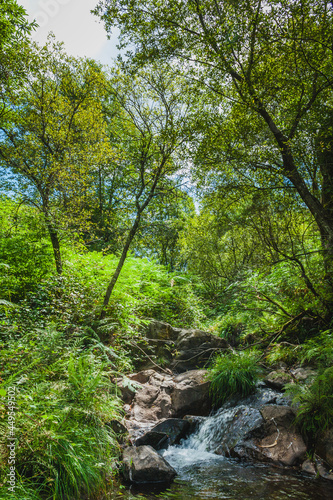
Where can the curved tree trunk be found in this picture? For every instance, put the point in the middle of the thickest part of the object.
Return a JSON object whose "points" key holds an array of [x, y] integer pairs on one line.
{"points": [[122, 259]]}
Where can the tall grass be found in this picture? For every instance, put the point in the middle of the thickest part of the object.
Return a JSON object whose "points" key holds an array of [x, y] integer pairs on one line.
{"points": [[64, 447], [233, 374]]}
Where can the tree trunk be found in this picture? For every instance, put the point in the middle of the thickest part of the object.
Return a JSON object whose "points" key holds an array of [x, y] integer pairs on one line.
{"points": [[320, 212], [55, 242], [122, 259]]}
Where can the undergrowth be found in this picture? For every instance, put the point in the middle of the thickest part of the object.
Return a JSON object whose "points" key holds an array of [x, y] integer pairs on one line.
{"points": [[64, 400]]}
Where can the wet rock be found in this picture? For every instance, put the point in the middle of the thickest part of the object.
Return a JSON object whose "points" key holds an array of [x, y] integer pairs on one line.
{"points": [[323, 470], [263, 396], [324, 446], [195, 348], [194, 422], [165, 434], [156, 440], [142, 464], [236, 424], [278, 379], [309, 467], [174, 428], [191, 394], [277, 440]]}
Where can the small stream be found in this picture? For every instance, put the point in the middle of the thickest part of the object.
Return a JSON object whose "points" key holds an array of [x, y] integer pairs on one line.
{"points": [[202, 474]]}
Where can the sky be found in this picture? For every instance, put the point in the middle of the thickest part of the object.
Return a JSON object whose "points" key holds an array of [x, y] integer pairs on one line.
{"points": [[72, 23]]}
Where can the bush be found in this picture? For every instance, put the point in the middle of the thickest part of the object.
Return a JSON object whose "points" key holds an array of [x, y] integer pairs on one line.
{"points": [[64, 401], [232, 374], [25, 251], [314, 404]]}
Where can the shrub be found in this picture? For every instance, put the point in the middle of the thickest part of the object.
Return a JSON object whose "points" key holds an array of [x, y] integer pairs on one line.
{"points": [[232, 374], [314, 404], [319, 350], [25, 251], [64, 401]]}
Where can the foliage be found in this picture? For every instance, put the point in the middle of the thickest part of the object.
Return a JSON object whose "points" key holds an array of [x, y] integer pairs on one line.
{"points": [[153, 129], [319, 350], [64, 401], [264, 69], [233, 374], [25, 251], [314, 404], [54, 136], [13, 22], [145, 290]]}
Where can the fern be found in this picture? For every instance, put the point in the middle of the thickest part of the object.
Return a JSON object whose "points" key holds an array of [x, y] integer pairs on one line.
{"points": [[314, 404]]}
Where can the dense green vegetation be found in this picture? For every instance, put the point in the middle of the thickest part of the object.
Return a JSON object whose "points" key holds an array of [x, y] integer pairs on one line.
{"points": [[191, 183]]}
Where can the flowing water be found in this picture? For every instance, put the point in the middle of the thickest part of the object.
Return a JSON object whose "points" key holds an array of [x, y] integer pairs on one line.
{"points": [[203, 474]]}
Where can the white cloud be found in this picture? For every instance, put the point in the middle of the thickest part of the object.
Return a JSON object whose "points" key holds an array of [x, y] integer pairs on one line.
{"points": [[73, 24]]}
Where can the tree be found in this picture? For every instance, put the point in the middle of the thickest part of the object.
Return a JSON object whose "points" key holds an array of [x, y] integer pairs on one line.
{"points": [[152, 129], [160, 234], [13, 23], [54, 134], [269, 65], [14, 29]]}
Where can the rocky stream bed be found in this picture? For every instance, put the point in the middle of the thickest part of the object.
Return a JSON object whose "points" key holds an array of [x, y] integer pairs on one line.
{"points": [[176, 447]]}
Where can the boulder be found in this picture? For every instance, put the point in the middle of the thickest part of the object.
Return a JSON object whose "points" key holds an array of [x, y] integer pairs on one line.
{"points": [[195, 348], [142, 377], [323, 470], [165, 434], [309, 467], [324, 446], [175, 428], [191, 394], [127, 388], [277, 440], [156, 440], [142, 464], [194, 422], [150, 404], [278, 379], [236, 424], [158, 330]]}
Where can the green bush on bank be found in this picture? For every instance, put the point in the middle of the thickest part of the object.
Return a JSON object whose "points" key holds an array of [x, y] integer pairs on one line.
{"points": [[64, 447]]}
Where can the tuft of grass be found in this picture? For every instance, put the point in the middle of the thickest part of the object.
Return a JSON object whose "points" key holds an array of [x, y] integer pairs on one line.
{"points": [[232, 374]]}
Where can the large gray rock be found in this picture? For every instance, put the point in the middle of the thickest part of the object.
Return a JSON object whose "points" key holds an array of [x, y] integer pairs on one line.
{"points": [[164, 396], [164, 434], [142, 464], [278, 379], [277, 440], [195, 348], [191, 394], [155, 439], [151, 403], [158, 330]]}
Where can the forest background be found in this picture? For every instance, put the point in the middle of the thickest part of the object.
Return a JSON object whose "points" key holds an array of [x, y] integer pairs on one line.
{"points": [[191, 182]]}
